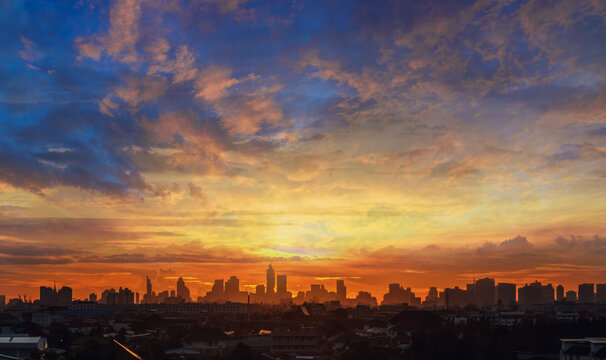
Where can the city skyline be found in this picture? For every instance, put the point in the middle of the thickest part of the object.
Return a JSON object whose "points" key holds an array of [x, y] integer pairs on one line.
{"points": [[425, 143], [483, 291]]}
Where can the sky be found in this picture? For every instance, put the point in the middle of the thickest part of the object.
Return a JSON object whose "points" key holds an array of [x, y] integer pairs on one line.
{"points": [[421, 142]]}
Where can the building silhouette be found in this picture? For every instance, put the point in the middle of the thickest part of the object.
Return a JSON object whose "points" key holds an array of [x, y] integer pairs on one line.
{"points": [[281, 285], [53, 297], [182, 290], [560, 293], [585, 293], [600, 295], [341, 289], [271, 281], [506, 294]]}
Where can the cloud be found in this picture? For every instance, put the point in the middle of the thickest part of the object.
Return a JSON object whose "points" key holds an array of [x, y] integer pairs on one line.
{"points": [[122, 37]]}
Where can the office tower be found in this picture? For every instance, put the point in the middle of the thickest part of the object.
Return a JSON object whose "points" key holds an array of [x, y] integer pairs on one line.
{"points": [[506, 293], [2, 301], [182, 290], [560, 293], [47, 296], [172, 293], [535, 293], [586, 293], [484, 292], [149, 286], [92, 297], [271, 280], [571, 296], [548, 294], [136, 298], [232, 286], [341, 290], [218, 287], [281, 285], [600, 295]]}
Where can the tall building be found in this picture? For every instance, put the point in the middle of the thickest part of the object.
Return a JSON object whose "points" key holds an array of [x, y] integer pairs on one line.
{"points": [[560, 293], [600, 295], [282, 286], [484, 292], [341, 289], [571, 296], [218, 287], [92, 297], [52, 297], [149, 286], [182, 290], [2, 301], [271, 281], [506, 293], [232, 286], [586, 293], [536, 293]]}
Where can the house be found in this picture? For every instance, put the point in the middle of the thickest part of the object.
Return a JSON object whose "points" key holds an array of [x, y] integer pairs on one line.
{"points": [[206, 341], [583, 349], [21, 346]]}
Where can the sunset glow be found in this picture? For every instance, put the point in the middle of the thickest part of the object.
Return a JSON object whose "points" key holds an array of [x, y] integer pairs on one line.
{"points": [[376, 142]]}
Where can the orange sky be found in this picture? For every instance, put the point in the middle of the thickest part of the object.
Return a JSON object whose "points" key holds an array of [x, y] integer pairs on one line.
{"points": [[411, 143]]}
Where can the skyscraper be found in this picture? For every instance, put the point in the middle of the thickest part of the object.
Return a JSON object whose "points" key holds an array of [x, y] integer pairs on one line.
{"points": [[506, 293], [484, 292], [282, 288], [182, 290], [341, 289], [232, 286], [560, 293], [600, 295], [271, 281], [586, 293], [149, 286]]}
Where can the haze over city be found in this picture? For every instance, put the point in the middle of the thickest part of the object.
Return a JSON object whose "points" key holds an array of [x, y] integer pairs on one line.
{"points": [[426, 144]]}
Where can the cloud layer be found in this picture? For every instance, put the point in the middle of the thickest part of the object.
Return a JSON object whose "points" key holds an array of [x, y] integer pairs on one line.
{"points": [[303, 132]]}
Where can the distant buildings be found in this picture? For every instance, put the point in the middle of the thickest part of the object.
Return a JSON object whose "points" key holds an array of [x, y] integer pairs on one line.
{"points": [[571, 296], [398, 295], [271, 281], [53, 297], [536, 293], [506, 294], [586, 294], [182, 290], [560, 293], [600, 296], [341, 289]]}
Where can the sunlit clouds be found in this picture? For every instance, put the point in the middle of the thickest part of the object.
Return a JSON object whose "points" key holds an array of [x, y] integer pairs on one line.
{"points": [[374, 142]]}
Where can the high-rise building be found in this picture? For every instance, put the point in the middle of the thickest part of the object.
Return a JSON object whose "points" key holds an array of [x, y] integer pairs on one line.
{"points": [[182, 290], [571, 296], [232, 286], [92, 297], [484, 292], [52, 297], [218, 287], [341, 289], [586, 293], [2, 301], [600, 295], [560, 293], [282, 286], [536, 293], [149, 286], [271, 281], [506, 293]]}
